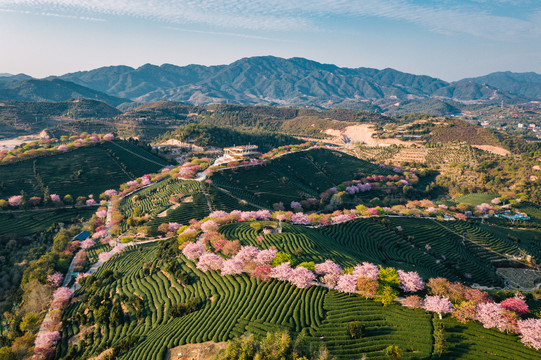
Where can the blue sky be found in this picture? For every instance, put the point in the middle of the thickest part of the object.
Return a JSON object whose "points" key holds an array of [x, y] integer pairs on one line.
{"points": [[442, 38]]}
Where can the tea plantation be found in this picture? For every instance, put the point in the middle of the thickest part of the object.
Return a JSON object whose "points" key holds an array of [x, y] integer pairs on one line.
{"points": [[83, 171], [148, 281]]}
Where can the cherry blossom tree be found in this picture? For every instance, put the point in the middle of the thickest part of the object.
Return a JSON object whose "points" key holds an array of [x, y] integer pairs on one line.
{"points": [[209, 226], [110, 192], [300, 218], [101, 213], [247, 254], [302, 278], [281, 272], [55, 280], [173, 226], [264, 257], [193, 250], [515, 304], [46, 340], [15, 200], [232, 266], [210, 262], [439, 305], [411, 281], [108, 137], [90, 202], [87, 244], [55, 198], [367, 270], [262, 272], [530, 332], [413, 302], [490, 315], [331, 273], [347, 283], [62, 148]]}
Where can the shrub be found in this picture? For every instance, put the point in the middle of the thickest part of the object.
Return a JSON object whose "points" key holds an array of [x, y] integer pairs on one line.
{"points": [[355, 330]]}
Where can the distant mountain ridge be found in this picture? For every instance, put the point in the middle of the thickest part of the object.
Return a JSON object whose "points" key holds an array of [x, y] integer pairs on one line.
{"points": [[269, 80], [24, 88], [273, 80]]}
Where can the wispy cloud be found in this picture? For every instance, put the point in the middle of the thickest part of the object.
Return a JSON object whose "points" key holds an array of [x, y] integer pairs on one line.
{"points": [[447, 17], [222, 33]]}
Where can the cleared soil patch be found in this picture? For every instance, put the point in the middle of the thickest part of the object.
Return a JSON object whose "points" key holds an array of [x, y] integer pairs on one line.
{"points": [[202, 351]]}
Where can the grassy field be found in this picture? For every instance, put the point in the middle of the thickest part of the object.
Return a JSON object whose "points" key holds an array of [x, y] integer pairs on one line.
{"points": [[474, 199], [232, 305], [83, 171]]}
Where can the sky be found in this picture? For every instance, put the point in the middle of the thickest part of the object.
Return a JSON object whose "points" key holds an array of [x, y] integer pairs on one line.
{"points": [[448, 39]]}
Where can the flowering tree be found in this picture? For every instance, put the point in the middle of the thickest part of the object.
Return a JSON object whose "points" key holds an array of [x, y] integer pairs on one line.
{"points": [[61, 298], [193, 250], [530, 332], [247, 254], [90, 202], [173, 226], [46, 340], [281, 272], [411, 281], [440, 305], [300, 218], [87, 244], [367, 270], [110, 192], [262, 272], [62, 148], [515, 304], [55, 280], [108, 137], [302, 278], [490, 315], [232, 266], [55, 198], [465, 311], [209, 226], [264, 257], [210, 262], [413, 302], [101, 213], [15, 200], [347, 283], [331, 273]]}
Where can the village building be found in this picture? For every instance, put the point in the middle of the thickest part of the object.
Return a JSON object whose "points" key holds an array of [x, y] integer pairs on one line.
{"points": [[237, 153]]}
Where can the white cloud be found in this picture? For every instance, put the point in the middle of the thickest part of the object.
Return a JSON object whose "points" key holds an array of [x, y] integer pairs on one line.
{"points": [[287, 15]]}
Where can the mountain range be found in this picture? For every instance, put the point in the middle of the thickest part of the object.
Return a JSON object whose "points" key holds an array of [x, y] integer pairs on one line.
{"points": [[269, 80]]}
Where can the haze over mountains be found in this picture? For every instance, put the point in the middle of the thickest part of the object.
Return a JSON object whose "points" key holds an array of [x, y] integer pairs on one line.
{"points": [[269, 80]]}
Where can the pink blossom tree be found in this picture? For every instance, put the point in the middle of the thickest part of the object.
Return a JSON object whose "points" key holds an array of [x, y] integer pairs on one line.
{"points": [[87, 244], [210, 226], [331, 273], [173, 226], [281, 272], [264, 257], [410, 281], [413, 302], [530, 332], [15, 200], [62, 148], [262, 272], [302, 278], [108, 137], [515, 304], [439, 305], [46, 340], [232, 266], [193, 250], [55, 198], [490, 315], [247, 254], [110, 192], [347, 283], [210, 262], [101, 213], [55, 280], [367, 270], [300, 218]]}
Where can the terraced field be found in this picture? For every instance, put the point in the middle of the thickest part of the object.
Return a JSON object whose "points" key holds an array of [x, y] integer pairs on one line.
{"points": [[83, 171], [294, 176], [232, 305], [28, 223]]}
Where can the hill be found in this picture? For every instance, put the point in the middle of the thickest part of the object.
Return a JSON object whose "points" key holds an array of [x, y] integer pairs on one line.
{"points": [[524, 84], [275, 81], [51, 90], [80, 172]]}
